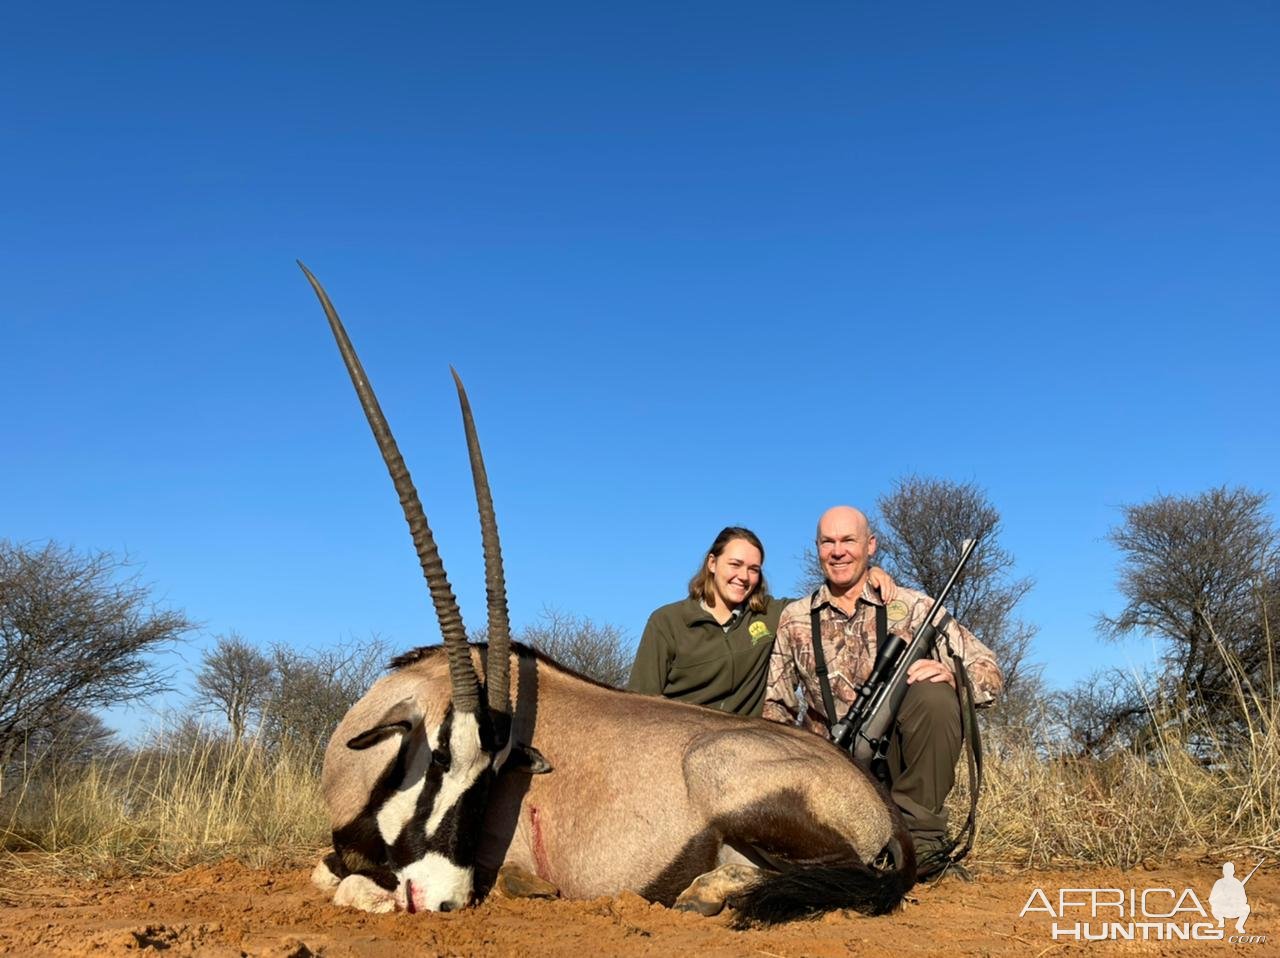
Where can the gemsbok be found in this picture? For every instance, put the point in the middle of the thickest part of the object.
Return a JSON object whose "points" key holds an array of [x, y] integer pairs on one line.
{"points": [[432, 790]]}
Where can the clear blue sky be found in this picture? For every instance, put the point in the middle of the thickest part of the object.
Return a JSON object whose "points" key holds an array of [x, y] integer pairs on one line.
{"points": [[698, 263]]}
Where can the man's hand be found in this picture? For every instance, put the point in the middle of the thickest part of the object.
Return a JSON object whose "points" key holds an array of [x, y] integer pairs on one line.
{"points": [[929, 670], [883, 583]]}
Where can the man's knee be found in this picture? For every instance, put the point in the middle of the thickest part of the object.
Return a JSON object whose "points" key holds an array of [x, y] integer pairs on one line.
{"points": [[930, 706]]}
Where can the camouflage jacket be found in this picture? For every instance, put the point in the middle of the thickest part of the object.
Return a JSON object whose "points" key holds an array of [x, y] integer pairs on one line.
{"points": [[849, 644]]}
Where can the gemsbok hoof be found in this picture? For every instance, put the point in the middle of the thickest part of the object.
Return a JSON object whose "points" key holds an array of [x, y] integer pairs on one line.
{"points": [[516, 882], [708, 893]]}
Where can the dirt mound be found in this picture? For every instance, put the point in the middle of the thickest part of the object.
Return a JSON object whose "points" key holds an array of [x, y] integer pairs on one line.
{"points": [[226, 909]]}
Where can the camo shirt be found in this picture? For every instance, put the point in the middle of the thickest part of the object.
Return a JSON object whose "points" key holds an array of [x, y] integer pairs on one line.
{"points": [[849, 644]]}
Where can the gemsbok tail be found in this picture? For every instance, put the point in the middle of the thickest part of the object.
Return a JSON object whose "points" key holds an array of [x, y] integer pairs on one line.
{"points": [[810, 891]]}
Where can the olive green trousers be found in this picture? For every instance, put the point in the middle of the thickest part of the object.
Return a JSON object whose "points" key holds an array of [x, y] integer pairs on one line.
{"points": [[923, 752]]}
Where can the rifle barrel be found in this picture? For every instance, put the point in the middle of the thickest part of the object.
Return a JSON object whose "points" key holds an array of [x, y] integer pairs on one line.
{"points": [[966, 548]]}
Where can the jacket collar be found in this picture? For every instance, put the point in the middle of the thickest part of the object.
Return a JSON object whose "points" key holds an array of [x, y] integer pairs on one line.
{"points": [[823, 596], [693, 613]]}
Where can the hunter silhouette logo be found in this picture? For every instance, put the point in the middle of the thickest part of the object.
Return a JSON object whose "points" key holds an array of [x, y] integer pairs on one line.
{"points": [[1228, 898]]}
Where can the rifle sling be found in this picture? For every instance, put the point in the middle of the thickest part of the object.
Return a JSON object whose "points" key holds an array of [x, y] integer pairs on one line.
{"points": [[973, 740], [820, 658], [820, 661]]}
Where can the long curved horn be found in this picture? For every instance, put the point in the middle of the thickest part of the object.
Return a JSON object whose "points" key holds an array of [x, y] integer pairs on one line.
{"points": [[466, 689], [498, 665]]}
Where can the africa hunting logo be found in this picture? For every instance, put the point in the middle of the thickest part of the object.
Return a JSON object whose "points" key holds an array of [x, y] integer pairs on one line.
{"points": [[1148, 914]]}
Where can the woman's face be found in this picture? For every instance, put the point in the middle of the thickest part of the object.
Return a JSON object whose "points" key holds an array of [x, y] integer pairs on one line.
{"points": [[735, 572]]}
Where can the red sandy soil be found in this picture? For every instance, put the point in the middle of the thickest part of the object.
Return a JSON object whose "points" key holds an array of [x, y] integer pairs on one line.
{"points": [[228, 909]]}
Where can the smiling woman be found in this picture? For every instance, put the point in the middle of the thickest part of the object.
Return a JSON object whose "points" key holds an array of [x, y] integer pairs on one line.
{"points": [[713, 647]]}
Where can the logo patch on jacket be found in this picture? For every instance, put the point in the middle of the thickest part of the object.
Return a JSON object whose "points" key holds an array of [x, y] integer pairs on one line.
{"points": [[897, 610], [758, 631]]}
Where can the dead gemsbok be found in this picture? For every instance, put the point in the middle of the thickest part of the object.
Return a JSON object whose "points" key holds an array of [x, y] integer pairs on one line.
{"points": [[431, 791]]}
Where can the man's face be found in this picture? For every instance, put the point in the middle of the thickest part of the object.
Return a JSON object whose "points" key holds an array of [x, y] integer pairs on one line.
{"points": [[845, 547]]}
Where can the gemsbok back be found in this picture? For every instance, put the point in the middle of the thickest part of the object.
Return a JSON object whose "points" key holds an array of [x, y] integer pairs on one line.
{"points": [[431, 790]]}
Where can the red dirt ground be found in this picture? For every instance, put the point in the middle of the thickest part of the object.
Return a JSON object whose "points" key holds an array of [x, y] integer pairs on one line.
{"points": [[228, 910]]}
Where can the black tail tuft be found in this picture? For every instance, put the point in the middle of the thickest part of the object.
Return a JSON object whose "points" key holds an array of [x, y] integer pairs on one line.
{"points": [[808, 892]]}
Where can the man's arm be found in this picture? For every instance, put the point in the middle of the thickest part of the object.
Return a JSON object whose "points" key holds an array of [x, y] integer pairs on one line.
{"points": [[979, 661], [780, 702], [955, 641], [653, 659]]}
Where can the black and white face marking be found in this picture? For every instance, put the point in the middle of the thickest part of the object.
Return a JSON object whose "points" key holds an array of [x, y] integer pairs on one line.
{"points": [[424, 825]]}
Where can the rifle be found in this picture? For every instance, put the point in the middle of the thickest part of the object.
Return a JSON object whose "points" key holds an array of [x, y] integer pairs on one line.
{"points": [[1250, 875], [864, 730]]}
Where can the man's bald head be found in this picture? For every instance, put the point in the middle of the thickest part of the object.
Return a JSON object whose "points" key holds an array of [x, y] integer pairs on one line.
{"points": [[845, 548], [844, 517]]}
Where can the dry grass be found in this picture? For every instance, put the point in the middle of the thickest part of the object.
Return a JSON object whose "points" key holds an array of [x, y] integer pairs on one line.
{"points": [[1191, 791], [163, 808]]}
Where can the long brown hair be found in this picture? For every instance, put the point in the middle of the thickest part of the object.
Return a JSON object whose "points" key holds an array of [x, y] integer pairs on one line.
{"points": [[701, 585]]}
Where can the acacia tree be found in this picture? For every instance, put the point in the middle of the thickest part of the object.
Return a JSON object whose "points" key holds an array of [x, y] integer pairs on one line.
{"points": [[75, 634], [236, 680], [1202, 574], [598, 651], [1098, 713], [923, 524], [313, 690], [72, 740]]}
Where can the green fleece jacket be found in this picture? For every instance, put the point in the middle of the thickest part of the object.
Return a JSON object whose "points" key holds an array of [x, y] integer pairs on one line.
{"points": [[685, 654]]}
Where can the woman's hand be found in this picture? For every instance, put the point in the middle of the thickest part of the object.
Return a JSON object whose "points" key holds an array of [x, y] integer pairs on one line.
{"points": [[883, 583]]}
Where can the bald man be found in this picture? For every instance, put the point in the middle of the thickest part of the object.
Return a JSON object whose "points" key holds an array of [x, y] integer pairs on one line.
{"points": [[926, 739]]}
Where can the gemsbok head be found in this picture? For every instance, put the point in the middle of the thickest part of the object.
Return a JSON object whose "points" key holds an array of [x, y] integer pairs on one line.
{"points": [[406, 780]]}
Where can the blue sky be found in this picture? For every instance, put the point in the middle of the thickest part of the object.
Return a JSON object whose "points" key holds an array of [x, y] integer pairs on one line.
{"points": [[698, 264]]}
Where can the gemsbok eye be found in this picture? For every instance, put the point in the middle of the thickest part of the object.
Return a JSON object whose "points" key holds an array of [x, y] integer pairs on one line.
{"points": [[440, 756]]}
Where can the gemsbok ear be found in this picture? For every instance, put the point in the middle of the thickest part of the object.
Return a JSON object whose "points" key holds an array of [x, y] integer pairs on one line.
{"points": [[526, 758], [400, 719]]}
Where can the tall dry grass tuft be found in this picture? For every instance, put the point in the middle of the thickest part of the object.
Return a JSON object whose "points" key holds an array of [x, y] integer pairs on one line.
{"points": [[1197, 787], [194, 798]]}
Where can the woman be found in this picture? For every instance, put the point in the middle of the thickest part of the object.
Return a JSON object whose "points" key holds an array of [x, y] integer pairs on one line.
{"points": [[713, 647]]}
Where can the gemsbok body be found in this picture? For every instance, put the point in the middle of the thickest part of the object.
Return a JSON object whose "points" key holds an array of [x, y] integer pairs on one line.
{"points": [[432, 790]]}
